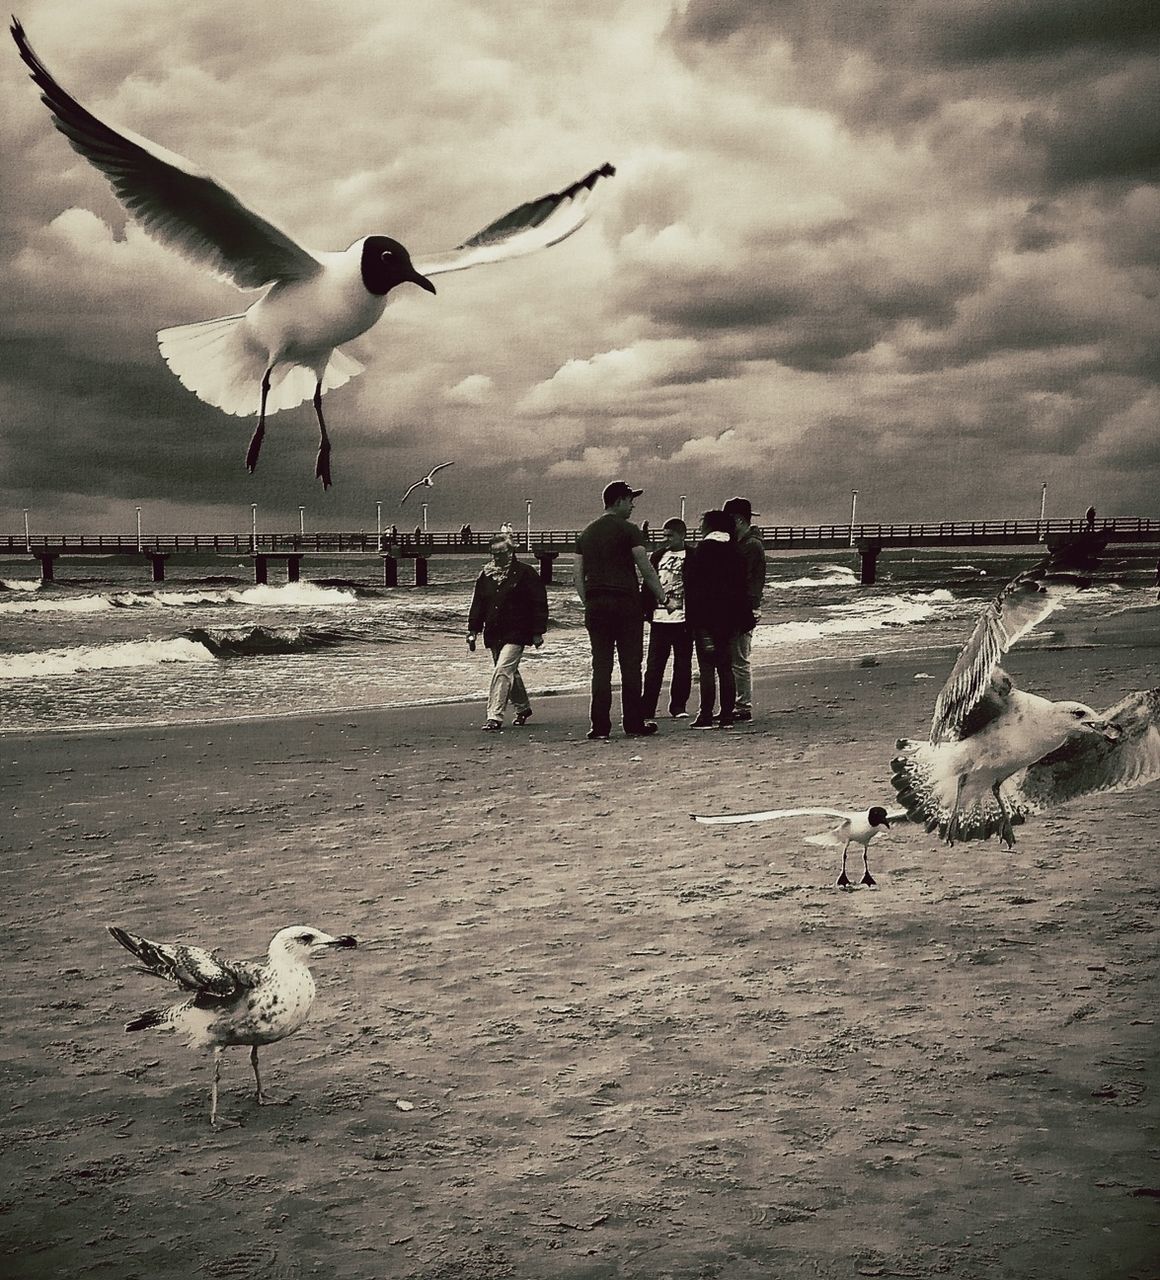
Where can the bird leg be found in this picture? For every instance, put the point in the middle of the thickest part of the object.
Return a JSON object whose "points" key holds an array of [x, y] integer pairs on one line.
{"points": [[1007, 831], [322, 465], [867, 879], [952, 827], [213, 1115], [844, 879], [260, 430], [262, 1098]]}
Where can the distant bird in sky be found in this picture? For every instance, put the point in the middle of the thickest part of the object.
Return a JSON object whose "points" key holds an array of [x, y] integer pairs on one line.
{"points": [[232, 1001], [428, 481], [997, 754], [285, 348], [853, 828]]}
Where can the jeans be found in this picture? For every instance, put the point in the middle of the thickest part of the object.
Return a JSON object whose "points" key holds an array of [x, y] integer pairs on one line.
{"points": [[615, 624], [665, 638], [506, 681], [742, 673], [715, 664]]}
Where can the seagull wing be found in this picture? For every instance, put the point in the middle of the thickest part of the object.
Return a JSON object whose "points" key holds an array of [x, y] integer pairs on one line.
{"points": [[174, 201], [192, 968], [1088, 762], [535, 225], [1021, 605], [769, 814], [418, 484], [431, 473]]}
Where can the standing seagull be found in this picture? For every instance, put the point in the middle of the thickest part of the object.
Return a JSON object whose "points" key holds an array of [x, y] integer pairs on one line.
{"points": [[997, 754], [853, 828], [233, 1002], [285, 347], [428, 480]]}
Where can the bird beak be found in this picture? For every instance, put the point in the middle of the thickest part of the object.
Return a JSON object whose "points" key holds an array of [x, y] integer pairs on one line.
{"points": [[345, 941], [421, 281], [1111, 731]]}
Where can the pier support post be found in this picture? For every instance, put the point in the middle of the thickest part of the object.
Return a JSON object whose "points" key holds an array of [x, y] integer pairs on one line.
{"points": [[390, 571], [47, 567], [420, 571], [293, 568], [547, 559], [158, 561], [868, 562], [261, 571]]}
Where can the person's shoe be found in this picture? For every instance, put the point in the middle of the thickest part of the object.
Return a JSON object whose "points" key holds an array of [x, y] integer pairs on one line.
{"points": [[594, 735], [743, 714], [703, 722], [725, 722], [678, 715], [646, 730], [493, 726], [522, 717]]}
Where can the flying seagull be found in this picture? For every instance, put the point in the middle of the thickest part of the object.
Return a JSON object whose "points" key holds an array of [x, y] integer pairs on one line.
{"points": [[287, 346], [428, 480], [853, 828], [997, 754], [231, 1001]]}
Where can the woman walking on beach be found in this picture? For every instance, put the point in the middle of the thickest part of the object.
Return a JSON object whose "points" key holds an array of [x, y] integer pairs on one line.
{"points": [[510, 606], [717, 609]]}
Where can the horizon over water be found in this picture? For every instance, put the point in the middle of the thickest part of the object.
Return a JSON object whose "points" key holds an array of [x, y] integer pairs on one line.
{"points": [[103, 647]]}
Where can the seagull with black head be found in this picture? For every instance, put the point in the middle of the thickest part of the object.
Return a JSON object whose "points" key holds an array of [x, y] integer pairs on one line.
{"points": [[286, 348]]}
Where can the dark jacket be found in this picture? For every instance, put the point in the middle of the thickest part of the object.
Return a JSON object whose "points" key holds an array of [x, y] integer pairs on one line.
{"points": [[511, 611], [716, 599], [752, 551]]}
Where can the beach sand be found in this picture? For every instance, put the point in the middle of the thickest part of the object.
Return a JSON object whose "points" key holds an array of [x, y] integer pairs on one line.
{"points": [[632, 1046]]}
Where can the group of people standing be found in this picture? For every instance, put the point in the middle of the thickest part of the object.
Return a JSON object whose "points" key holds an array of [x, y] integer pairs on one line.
{"points": [[704, 600]]}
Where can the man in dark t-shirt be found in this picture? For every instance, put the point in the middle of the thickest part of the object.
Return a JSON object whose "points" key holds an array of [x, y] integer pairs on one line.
{"points": [[608, 554]]}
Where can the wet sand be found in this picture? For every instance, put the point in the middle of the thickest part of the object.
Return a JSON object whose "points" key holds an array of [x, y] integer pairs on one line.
{"points": [[632, 1046]]}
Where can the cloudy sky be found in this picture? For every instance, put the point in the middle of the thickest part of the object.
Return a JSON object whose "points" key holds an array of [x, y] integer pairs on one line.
{"points": [[904, 246]]}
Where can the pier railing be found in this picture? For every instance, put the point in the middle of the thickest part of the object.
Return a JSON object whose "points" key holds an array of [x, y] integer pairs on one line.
{"points": [[775, 537]]}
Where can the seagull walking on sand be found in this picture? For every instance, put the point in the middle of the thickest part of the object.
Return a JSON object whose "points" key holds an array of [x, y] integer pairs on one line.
{"points": [[233, 1001], [428, 481], [853, 828], [997, 754], [286, 348]]}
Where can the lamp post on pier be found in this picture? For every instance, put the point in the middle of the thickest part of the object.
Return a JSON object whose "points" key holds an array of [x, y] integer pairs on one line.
{"points": [[253, 526], [1043, 500], [682, 507], [27, 539], [529, 542], [302, 521], [138, 528], [424, 517], [853, 510], [379, 527]]}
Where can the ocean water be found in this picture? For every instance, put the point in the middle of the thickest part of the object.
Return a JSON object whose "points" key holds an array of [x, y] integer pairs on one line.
{"points": [[104, 647]]}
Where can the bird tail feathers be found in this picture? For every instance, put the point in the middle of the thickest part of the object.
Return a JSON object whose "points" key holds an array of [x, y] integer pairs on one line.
{"points": [[222, 364], [824, 839], [926, 788]]}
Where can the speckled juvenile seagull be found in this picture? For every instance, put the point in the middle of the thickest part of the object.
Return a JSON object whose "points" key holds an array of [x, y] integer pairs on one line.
{"points": [[284, 349], [233, 1001], [853, 828], [997, 754]]}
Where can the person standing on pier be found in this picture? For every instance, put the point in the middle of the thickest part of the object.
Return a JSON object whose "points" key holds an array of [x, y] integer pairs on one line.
{"points": [[609, 553], [752, 551], [510, 606]]}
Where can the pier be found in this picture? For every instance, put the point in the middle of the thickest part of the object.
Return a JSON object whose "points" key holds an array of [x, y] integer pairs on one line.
{"points": [[1069, 540]]}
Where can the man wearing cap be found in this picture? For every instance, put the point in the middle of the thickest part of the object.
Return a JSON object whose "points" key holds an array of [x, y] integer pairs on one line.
{"points": [[609, 553], [669, 632], [752, 551]]}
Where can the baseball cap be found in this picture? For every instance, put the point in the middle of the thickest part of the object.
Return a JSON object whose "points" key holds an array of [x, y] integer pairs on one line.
{"points": [[675, 522], [740, 507], [619, 489]]}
